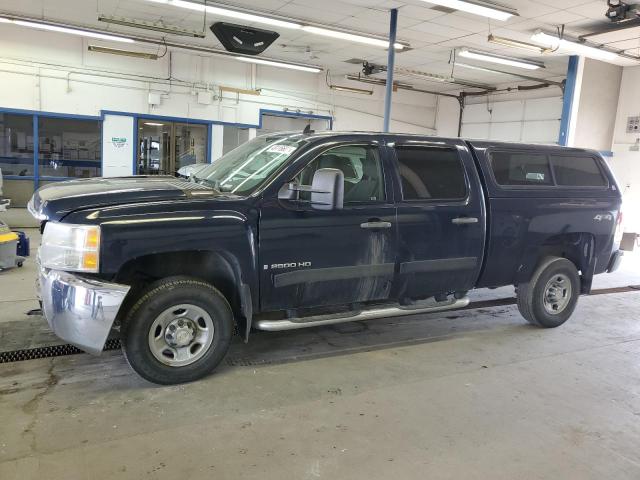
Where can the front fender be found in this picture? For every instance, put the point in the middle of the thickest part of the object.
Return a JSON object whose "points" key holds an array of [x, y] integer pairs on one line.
{"points": [[133, 231]]}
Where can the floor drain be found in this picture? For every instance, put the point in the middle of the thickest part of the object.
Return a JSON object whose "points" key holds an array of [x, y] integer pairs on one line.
{"points": [[50, 351], [244, 362], [114, 343]]}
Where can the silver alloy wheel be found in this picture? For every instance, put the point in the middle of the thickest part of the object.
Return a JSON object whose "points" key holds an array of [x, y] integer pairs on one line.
{"points": [[557, 294], [181, 335]]}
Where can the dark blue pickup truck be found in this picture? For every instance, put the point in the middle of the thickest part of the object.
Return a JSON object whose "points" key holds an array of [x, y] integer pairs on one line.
{"points": [[295, 230]]}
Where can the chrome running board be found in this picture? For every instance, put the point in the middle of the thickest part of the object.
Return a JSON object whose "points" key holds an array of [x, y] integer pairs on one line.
{"points": [[371, 314]]}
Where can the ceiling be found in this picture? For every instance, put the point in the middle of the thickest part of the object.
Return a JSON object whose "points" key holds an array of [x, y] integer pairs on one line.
{"points": [[432, 33]]}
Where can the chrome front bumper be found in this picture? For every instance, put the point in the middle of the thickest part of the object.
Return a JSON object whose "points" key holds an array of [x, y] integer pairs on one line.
{"points": [[80, 310]]}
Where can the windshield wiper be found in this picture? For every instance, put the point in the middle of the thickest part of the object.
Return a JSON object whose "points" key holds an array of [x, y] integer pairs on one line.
{"points": [[207, 182]]}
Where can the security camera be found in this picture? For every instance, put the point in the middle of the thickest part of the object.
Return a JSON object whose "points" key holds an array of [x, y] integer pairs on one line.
{"points": [[621, 12]]}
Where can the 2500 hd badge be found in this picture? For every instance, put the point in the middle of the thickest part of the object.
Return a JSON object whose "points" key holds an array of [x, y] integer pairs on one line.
{"points": [[276, 266]]}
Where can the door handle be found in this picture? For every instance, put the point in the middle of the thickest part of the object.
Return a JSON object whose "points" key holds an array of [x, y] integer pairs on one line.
{"points": [[375, 224], [464, 220]]}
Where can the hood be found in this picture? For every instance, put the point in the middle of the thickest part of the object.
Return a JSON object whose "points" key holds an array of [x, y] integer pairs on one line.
{"points": [[54, 201]]}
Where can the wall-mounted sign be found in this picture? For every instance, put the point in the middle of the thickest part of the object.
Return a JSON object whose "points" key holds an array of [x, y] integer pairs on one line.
{"points": [[119, 142]]}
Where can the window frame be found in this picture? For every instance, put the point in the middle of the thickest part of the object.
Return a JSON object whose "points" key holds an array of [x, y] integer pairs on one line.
{"points": [[373, 145], [29, 156], [431, 146], [35, 115], [554, 183], [42, 162]]}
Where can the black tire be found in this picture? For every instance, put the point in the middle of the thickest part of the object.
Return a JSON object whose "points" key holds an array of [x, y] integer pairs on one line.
{"points": [[531, 295], [159, 297]]}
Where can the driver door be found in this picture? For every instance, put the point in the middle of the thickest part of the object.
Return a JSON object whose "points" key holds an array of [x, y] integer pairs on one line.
{"points": [[312, 258]]}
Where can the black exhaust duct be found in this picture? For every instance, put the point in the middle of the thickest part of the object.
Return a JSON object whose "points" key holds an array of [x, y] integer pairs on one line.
{"points": [[241, 39]]}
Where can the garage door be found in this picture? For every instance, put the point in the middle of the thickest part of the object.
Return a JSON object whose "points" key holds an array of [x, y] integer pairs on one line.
{"points": [[531, 121]]}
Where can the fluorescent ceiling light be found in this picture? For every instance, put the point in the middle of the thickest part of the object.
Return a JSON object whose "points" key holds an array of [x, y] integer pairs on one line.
{"points": [[61, 29], [481, 69], [227, 12], [156, 27], [350, 37], [567, 46], [154, 124], [277, 22], [408, 86], [502, 60], [484, 9], [124, 53], [509, 42], [341, 88], [502, 72], [271, 63]]}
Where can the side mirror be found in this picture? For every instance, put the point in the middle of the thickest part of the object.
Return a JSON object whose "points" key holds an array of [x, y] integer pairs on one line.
{"points": [[327, 189]]}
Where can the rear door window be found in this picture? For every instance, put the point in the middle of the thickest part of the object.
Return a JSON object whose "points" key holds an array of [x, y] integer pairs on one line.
{"points": [[577, 171], [521, 168], [429, 173]]}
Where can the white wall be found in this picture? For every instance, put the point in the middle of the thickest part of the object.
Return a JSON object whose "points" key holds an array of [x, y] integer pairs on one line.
{"points": [[55, 72], [596, 105], [447, 116], [625, 162], [518, 117]]}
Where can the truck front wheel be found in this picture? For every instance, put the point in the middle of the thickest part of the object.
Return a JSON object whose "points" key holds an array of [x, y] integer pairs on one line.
{"points": [[178, 331], [551, 295]]}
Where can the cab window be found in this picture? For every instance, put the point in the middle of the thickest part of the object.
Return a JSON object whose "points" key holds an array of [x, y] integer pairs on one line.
{"points": [[429, 173], [362, 169]]}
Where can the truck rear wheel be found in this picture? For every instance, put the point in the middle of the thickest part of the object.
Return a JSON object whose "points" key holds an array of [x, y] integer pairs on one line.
{"points": [[178, 331], [551, 295]]}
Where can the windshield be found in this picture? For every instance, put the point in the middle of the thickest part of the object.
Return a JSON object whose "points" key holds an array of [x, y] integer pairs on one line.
{"points": [[247, 167]]}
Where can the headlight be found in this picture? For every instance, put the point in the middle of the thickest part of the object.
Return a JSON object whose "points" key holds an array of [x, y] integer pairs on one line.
{"points": [[70, 247]]}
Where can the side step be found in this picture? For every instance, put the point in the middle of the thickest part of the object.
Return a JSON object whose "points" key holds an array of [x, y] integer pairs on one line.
{"points": [[371, 314]]}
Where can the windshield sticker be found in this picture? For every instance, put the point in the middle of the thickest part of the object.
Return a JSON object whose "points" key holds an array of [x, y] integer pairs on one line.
{"points": [[284, 149]]}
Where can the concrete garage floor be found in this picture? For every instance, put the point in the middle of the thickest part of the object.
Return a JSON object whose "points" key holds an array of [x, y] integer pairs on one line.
{"points": [[461, 394]]}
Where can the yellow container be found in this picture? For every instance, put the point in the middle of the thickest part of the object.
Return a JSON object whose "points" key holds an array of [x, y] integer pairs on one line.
{"points": [[8, 237], [8, 251]]}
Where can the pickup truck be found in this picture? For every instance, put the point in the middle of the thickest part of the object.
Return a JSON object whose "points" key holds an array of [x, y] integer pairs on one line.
{"points": [[294, 230]]}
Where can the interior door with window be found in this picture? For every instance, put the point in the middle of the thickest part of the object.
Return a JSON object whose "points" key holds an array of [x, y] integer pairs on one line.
{"points": [[312, 258], [165, 147], [440, 219]]}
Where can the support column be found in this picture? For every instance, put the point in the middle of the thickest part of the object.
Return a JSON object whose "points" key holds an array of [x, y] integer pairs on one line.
{"points": [[393, 26], [571, 91], [36, 154]]}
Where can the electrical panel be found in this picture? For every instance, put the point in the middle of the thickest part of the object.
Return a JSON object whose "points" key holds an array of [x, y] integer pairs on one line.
{"points": [[633, 124]]}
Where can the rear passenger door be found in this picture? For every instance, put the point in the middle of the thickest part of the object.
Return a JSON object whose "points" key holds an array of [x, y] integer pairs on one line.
{"points": [[441, 218]]}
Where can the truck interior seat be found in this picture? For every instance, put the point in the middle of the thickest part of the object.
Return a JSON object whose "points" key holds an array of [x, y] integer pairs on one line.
{"points": [[369, 186]]}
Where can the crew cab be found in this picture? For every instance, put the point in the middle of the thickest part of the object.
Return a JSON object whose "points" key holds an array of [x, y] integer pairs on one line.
{"points": [[294, 230]]}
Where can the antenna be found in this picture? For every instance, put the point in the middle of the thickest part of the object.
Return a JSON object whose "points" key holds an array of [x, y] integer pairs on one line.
{"points": [[307, 130]]}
